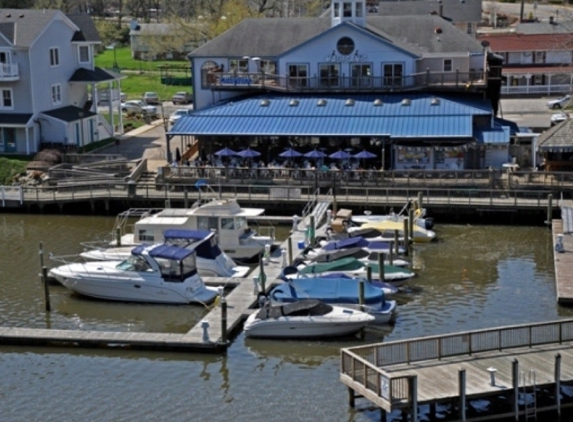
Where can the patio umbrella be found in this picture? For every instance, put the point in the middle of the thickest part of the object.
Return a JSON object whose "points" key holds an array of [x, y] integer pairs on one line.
{"points": [[290, 153], [340, 155], [364, 155], [248, 153], [315, 154], [226, 152]]}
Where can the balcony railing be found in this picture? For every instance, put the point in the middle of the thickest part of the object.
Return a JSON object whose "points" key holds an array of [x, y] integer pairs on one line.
{"points": [[453, 81], [9, 72]]}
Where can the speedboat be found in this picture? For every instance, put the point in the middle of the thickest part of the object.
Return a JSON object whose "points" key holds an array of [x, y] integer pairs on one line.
{"points": [[307, 318], [355, 268], [157, 273], [224, 216], [211, 261], [385, 231], [356, 247], [388, 288], [420, 218]]}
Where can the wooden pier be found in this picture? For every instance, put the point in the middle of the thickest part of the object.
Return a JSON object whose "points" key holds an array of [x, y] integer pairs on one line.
{"points": [[563, 261], [519, 363]]}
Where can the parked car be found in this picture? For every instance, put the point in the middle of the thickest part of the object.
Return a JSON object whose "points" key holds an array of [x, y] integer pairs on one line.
{"points": [[559, 117], [151, 97], [182, 97], [559, 103], [177, 114], [138, 107]]}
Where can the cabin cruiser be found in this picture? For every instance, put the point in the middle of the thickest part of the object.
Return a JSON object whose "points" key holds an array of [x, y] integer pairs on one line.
{"points": [[224, 216], [307, 318], [157, 273], [211, 261]]}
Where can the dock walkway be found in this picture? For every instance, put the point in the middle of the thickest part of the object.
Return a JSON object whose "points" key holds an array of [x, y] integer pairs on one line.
{"points": [[563, 261]]}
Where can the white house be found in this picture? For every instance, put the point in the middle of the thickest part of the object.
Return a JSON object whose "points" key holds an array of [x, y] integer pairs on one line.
{"points": [[47, 73]]}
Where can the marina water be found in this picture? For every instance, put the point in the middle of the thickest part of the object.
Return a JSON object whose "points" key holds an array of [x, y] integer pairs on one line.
{"points": [[473, 277]]}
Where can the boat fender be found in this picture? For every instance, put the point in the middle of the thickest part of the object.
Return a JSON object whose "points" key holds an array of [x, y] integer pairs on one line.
{"points": [[417, 213]]}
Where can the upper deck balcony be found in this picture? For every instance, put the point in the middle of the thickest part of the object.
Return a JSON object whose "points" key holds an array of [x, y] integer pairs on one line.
{"points": [[9, 72], [442, 81]]}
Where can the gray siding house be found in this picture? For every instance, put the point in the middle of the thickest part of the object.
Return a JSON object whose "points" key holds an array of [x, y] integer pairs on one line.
{"points": [[47, 75]]}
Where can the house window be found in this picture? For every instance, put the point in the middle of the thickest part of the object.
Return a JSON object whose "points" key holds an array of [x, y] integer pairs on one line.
{"points": [[7, 98], [347, 10], [56, 94], [361, 74], [298, 75], [392, 74], [539, 57], [239, 65], [336, 10], [3, 57], [329, 74], [448, 65], [469, 29], [84, 54], [54, 56], [268, 66], [359, 10]]}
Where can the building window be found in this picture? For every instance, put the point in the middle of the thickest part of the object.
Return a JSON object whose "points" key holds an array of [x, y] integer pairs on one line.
{"points": [[329, 74], [448, 65], [393, 74], [84, 54], [3, 57], [361, 74], [56, 94], [239, 65], [539, 57], [268, 66], [345, 46], [298, 75], [336, 10], [347, 10], [7, 98], [469, 29], [54, 56], [359, 10]]}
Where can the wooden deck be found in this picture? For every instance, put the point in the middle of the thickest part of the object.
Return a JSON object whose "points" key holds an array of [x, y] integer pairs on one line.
{"points": [[455, 368], [563, 265]]}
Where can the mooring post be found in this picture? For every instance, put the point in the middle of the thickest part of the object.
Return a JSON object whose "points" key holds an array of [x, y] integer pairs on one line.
{"points": [[290, 257], [396, 242], [515, 381], [420, 197], [262, 275], [185, 198], [549, 209], [118, 236], [411, 225], [391, 254], [413, 393], [462, 388], [312, 230], [351, 402], [361, 287], [558, 383], [223, 302], [407, 236], [41, 253], [381, 269], [46, 289]]}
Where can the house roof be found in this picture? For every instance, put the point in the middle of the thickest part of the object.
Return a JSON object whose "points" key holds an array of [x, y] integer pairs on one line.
{"points": [[544, 28], [528, 42], [69, 113], [454, 10], [269, 37], [449, 117], [14, 119], [558, 138], [23, 26], [88, 31], [97, 75]]}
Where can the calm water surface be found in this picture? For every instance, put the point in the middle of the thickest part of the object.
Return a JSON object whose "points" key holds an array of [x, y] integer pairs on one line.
{"points": [[473, 277]]}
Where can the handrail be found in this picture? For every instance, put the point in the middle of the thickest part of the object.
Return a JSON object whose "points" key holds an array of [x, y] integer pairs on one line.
{"points": [[310, 204]]}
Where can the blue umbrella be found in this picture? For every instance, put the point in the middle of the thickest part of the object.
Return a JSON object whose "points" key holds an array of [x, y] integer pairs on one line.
{"points": [[226, 152], [290, 153], [315, 154], [248, 153], [364, 155], [340, 155]]}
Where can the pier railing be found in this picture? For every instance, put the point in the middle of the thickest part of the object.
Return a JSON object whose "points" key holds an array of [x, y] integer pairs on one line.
{"points": [[365, 365]]}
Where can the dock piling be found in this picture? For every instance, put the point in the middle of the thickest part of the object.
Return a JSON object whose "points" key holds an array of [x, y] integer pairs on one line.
{"points": [[558, 383], [381, 268], [515, 382], [262, 275], [549, 209], [462, 392], [312, 230], [46, 289], [290, 257], [118, 237], [361, 289], [396, 243], [223, 302], [41, 253]]}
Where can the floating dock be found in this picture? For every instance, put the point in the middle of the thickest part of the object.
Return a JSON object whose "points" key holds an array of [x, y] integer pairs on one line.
{"points": [[563, 261]]}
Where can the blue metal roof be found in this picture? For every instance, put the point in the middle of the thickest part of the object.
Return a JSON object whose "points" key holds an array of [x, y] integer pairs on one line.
{"points": [[424, 115], [498, 135]]}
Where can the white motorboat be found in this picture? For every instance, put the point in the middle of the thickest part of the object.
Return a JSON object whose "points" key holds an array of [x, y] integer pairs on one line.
{"points": [[307, 318], [385, 231], [420, 218], [382, 314], [211, 261], [152, 274], [224, 216]]}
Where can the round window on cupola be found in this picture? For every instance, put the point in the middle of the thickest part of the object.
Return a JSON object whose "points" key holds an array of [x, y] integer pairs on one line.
{"points": [[345, 46]]}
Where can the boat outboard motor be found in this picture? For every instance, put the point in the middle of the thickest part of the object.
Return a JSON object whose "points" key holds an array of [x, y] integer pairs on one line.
{"points": [[429, 223]]}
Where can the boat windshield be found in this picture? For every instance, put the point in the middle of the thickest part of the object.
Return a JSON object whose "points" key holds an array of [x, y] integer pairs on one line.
{"points": [[228, 223], [241, 223], [134, 263]]}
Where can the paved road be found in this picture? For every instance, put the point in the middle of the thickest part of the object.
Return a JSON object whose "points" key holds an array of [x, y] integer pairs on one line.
{"points": [[541, 11]]}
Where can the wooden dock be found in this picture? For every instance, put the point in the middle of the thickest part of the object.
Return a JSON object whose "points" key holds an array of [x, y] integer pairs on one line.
{"points": [[513, 362], [563, 264]]}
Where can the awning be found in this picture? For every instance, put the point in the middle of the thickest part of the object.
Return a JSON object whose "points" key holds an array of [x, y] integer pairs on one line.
{"points": [[94, 76], [14, 119], [69, 113]]}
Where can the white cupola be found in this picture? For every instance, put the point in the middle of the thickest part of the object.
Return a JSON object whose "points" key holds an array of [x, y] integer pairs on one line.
{"points": [[348, 11]]}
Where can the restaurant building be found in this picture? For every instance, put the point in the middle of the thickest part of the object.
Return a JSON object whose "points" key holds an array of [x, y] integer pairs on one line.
{"points": [[415, 90]]}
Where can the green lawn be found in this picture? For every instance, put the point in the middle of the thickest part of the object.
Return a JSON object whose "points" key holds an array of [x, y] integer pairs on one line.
{"points": [[142, 76], [10, 168]]}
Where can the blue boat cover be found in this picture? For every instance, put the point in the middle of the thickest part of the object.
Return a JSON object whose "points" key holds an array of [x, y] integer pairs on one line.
{"points": [[375, 282], [379, 245], [329, 290], [164, 251], [346, 243], [192, 235]]}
